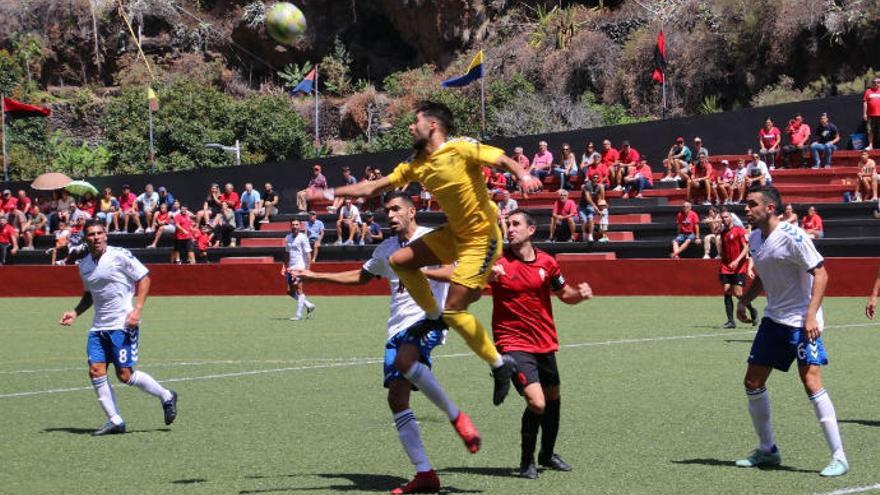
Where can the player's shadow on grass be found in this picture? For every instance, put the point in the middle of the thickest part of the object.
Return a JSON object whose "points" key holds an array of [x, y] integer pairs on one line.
{"points": [[359, 482], [732, 464], [498, 472], [738, 341], [863, 422], [88, 431]]}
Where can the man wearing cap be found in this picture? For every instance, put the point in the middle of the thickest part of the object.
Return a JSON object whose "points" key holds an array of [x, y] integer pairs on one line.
{"points": [[676, 162], [827, 137], [166, 197], [871, 113], [698, 151], [371, 232], [317, 182]]}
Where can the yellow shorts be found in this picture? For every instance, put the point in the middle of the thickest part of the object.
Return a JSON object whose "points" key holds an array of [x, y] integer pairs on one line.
{"points": [[473, 258]]}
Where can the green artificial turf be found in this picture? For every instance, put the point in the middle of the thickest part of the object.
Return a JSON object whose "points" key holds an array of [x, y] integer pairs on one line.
{"points": [[652, 402]]}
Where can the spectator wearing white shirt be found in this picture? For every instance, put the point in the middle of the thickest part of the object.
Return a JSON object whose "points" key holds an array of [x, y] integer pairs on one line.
{"points": [[349, 217], [757, 172], [505, 206], [148, 202]]}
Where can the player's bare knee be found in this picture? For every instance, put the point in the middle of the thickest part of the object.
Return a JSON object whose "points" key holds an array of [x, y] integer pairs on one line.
{"points": [[123, 374], [404, 360], [753, 382], [536, 404], [97, 370]]}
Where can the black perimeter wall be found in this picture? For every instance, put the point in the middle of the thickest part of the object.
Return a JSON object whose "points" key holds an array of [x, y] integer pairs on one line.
{"points": [[722, 133]]}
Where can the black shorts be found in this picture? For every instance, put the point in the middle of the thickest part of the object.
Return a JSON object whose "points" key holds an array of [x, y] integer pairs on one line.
{"points": [[732, 279], [183, 246], [534, 368]]}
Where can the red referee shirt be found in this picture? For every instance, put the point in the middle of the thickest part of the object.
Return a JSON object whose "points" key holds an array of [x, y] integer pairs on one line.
{"points": [[522, 314], [733, 241]]}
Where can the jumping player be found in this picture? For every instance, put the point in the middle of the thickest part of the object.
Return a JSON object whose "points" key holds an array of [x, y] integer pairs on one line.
{"points": [[407, 356], [451, 169], [522, 324], [791, 272], [297, 259], [734, 264], [112, 276]]}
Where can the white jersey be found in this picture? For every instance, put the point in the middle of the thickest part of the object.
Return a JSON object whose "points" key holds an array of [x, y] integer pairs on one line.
{"points": [[404, 310], [350, 212], [756, 169], [111, 280], [298, 249], [782, 260]]}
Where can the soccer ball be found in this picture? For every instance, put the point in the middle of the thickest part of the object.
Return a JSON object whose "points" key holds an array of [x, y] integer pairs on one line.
{"points": [[285, 22]]}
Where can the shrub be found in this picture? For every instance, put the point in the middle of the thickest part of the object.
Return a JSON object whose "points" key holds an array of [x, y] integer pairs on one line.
{"points": [[270, 128]]}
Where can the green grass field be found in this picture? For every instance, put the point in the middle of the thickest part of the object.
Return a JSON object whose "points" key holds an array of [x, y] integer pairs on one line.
{"points": [[652, 403]]}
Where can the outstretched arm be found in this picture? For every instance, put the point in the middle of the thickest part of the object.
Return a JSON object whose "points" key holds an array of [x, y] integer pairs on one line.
{"points": [[363, 189], [351, 277], [441, 274]]}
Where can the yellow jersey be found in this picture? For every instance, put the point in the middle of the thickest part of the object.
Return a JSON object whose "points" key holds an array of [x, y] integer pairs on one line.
{"points": [[454, 176]]}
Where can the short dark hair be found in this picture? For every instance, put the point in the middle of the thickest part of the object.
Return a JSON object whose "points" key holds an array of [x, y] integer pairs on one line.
{"points": [[93, 222], [406, 198], [770, 194], [437, 111], [530, 221]]}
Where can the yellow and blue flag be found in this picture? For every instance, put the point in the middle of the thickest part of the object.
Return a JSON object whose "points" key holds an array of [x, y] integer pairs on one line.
{"points": [[474, 72]]}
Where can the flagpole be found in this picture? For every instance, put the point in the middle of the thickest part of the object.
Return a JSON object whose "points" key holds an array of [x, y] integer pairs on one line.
{"points": [[317, 126], [663, 109], [152, 149], [482, 107], [3, 119]]}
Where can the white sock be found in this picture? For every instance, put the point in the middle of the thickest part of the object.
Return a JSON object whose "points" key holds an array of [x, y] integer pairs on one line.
{"points": [[434, 315], [828, 420], [759, 409], [420, 376], [106, 399], [300, 302], [408, 431], [146, 383], [498, 362], [308, 304]]}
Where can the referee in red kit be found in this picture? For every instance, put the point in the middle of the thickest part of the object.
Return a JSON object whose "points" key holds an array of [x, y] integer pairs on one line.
{"points": [[522, 325]]}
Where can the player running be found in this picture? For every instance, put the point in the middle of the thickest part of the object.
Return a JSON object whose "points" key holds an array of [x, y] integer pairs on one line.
{"points": [[407, 355], [734, 264], [791, 272], [297, 259], [451, 169], [872, 299], [522, 323], [112, 276]]}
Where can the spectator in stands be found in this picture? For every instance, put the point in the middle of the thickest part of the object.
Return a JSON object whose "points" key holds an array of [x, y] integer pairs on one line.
{"points": [[315, 233], [249, 203], [589, 161], [699, 151], [714, 226], [347, 180], [425, 199], [568, 167], [350, 218], [724, 183], [542, 162], [62, 210], [87, 204], [147, 203], [371, 232], [603, 213], [165, 196], [22, 206], [871, 113], [163, 223], [597, 167], [317, 182], [8, 240], [9, 208], [789, 215], [702, 180], [128, 210], [231, 196], [639, 178], [183, 238], [108, 209], [505, 206], [688, 230], [628, 158], [757, 172], [677, 162], [268, 205], [523, 161], [564, 211], [34, 226], [202, 237], [798, 141], [211, 206], [497, 183], [827, 137], [223, 224], [769, 142], [611, 160], [592, 192], [60, 250], [866, 178], [812, 224]]}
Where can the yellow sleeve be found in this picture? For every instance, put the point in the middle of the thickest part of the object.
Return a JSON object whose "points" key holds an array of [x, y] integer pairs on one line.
{"points": [[479, 153], [401, 175]]}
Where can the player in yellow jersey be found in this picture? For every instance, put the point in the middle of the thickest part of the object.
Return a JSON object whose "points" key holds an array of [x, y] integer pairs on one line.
{"points": [[451, 169]]}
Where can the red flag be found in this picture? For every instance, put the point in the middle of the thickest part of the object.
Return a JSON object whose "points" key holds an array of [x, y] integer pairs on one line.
{"points": [[659, 74], [19, 109]]}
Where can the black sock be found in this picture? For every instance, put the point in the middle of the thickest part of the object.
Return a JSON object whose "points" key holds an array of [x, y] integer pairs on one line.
{"points": [[529, 433], [549, 429], [728, 306]]}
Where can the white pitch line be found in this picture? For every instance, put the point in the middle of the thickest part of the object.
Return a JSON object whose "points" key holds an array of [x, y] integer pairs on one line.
{"points": [[855, 489], [362, 361]]}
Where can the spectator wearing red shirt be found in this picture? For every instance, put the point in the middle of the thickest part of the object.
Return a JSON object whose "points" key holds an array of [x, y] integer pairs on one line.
{"points": [[9, 202], [628, 158], [317, 183], [564, 210], [769, 142], [611, 159], [702, 180], [871, 113], [183, 238], [638, 179], [497, 182], [523, 328], [162, 224], [812, 224], [734, 264], [128, 209], [688, 230], [542, 162], [11, 207], [8, 240], [230, 196], [799, 141]]}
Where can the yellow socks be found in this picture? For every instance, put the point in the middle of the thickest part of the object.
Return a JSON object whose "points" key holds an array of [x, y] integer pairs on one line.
{"points": [[417, 285], [474, 334]]}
